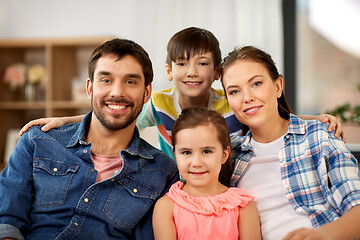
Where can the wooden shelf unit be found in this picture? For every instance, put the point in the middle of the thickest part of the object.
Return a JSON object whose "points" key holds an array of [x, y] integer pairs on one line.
{"points": [[63, 59]]}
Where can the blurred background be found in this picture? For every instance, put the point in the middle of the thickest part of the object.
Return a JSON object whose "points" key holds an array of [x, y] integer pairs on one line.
{"points": [[315, 43]]}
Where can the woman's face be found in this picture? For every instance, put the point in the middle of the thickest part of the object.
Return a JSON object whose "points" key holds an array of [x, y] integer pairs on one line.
{"points": [[251, 93]]}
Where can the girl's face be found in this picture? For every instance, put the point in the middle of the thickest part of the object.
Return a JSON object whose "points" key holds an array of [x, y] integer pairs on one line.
{"points": [[200, 155], [252, 94], [194, 77]]}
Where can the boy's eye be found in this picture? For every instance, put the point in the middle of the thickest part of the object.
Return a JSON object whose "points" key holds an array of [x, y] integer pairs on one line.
{"points": [[204, 63], [180, 64]]}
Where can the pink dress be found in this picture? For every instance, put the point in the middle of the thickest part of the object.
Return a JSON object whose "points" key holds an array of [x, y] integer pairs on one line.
{"points": [[214, 217]]}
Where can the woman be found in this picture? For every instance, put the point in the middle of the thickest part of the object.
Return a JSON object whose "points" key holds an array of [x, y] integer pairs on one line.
{"points": [[305, 181]]}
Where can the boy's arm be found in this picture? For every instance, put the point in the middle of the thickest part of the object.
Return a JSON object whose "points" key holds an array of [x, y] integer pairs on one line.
{"points": [[333, 122], [345, 227], [249, 222], [146, 117], [163, 223], [50, 123]]}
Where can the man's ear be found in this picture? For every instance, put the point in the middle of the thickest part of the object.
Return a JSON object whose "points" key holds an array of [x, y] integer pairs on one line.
{"points": [[147, 93], [89, 87], [168, 72]]}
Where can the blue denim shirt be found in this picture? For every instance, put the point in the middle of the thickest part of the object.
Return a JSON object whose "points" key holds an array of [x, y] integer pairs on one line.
{"points": [[49, 190]]}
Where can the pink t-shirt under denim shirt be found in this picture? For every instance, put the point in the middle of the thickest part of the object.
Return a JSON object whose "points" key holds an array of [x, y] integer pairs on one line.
{"points": [[106, 165]]}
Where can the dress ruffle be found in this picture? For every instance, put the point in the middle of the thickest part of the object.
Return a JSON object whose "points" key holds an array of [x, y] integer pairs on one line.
{"points": [[228, 200]]}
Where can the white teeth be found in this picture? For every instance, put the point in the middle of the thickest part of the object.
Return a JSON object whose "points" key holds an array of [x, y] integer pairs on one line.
{"points": [[192, 83], [116, 107], [251, 109]]}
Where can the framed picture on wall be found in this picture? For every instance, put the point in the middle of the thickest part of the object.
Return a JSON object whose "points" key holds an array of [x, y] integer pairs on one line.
{"points": [[11, 140]]}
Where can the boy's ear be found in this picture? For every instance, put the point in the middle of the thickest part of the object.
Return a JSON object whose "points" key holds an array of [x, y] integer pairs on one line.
{"points": [[217, 72], [168, 72]]}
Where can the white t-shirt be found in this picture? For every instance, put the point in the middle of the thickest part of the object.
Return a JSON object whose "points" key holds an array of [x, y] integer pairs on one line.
{"points": [[263, 180]]}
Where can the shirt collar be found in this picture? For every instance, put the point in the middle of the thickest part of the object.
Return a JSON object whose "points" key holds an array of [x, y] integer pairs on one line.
{"points": [[296, 126], [136, 144]]}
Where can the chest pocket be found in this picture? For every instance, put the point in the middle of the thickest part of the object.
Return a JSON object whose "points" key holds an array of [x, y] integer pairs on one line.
{"points": [[52, 180], [129, 201]]}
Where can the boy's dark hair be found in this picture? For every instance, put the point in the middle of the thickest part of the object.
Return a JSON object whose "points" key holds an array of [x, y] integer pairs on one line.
{"points": [[192, 41], [200, 116], [121, 48], [264, 58]]}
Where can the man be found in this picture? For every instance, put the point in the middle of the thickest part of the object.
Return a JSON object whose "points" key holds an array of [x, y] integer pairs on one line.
{"points": [[71, 182]]}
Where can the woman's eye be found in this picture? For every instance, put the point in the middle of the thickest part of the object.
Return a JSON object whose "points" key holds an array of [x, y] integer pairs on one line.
{"points": [[256, 84], [232, 92]]}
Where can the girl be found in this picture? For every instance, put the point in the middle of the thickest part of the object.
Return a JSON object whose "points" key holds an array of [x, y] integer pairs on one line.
{"points": [[305, 181], [204, 207]]}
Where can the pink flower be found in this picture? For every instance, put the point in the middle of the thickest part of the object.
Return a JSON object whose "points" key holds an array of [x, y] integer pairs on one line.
{"points": [[15, 75]]}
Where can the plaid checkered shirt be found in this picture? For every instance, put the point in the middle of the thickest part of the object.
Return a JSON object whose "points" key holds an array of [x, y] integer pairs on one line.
{"points": [[319, 174]]}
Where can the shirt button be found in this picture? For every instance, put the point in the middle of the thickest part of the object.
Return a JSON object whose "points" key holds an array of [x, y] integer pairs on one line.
{"points": [[76, 224], [287, 187], [93, 170], [86, 200], [85, 151], [299, 210], [55, 169], [135, 190]]}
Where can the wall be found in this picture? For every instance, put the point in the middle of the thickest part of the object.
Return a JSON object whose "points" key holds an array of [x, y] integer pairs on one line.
{"points": [[148, 22]]}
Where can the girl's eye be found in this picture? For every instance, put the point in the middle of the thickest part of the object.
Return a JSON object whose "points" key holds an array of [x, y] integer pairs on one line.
{"points": [[203, 64], [207, 151], [186, 152], [180, 64]]}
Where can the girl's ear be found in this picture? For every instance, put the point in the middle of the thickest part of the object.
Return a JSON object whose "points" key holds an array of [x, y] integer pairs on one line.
{"points": [[89, 87], [168, 72], [279, 86], [226, 155]]}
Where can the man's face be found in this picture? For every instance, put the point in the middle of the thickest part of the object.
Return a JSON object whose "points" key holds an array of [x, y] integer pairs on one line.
{"points": [[118, 91]]}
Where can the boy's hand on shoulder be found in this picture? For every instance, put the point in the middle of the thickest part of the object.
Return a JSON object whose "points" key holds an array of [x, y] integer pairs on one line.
{"points": [[334, 124]]}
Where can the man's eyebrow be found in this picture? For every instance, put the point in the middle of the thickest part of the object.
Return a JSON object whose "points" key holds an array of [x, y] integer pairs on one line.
{"points": [[106, 73], [133, 75]]}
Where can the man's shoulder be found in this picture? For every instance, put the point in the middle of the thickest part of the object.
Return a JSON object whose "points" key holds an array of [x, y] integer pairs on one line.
{"points": [[160, 157]]}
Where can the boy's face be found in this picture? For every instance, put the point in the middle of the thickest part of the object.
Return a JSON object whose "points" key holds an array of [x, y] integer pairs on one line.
{"points": [[194, 77]]}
